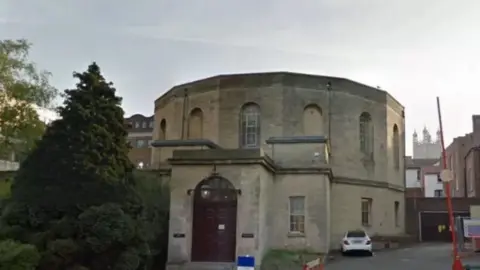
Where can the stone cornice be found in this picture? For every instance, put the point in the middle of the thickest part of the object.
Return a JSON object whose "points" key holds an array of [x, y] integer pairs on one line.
{"points": [[367, 183]]}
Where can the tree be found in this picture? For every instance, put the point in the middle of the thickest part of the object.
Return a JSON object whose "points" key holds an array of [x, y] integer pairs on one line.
{"points": [[73, 197], [22, 88], [18, 256]]}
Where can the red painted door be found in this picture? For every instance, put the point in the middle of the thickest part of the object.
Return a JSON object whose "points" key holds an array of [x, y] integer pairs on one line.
{"points": [[214, 220], [214, 231]]}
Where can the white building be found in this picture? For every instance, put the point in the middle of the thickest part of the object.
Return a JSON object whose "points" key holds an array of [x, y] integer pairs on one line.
{"points": [[413, 178], [433, 186], [421, 178]]}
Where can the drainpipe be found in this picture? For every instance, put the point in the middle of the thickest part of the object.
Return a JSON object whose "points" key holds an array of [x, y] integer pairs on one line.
{"points": [[184, 116], [329, 92], [472, 149]]}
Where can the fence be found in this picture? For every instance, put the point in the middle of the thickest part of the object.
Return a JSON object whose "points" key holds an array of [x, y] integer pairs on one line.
{"points": [[467, 232]]}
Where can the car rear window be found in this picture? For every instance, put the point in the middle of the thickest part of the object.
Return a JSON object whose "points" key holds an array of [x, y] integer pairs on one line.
{"points": [[356, 234]]}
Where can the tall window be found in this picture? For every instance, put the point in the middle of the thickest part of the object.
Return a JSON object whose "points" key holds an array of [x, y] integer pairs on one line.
{"points": [[397, 209], [366, 211], [140, 143], [195, 124], [471, 179], [396, 147], [366, 135], [297, 214], [250, 126], [162, 132], [312, 120]]}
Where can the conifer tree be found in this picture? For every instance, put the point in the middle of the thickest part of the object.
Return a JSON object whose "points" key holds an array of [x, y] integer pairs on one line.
{"points": [[73, 196]]}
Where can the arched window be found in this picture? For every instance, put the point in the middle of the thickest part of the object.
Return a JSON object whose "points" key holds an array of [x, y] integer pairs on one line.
{"points": [[250, 126], [396, 147], [162, 133], [366, 135], [195, 124], [312, 120]]}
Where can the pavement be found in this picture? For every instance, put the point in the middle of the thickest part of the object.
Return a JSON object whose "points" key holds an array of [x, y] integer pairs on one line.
{"points": [[419, 257]]}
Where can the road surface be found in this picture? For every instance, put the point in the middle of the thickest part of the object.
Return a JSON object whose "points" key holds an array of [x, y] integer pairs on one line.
{"points": [[421, 257]]}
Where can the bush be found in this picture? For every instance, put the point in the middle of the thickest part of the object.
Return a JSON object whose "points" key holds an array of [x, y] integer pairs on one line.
{"points": [[156, 195], [74, 196], [17, 256]]}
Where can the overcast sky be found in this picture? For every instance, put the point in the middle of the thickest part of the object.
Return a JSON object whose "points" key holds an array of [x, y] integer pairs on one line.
{"points": [[415, 49]]}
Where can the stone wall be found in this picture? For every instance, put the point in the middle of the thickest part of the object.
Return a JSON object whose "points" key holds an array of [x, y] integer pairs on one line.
{"points": [[346, 211]]}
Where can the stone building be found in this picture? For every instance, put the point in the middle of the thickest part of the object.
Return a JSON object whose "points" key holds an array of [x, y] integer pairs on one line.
{"points": [[140, 130], [427, 148], [277, 160]]}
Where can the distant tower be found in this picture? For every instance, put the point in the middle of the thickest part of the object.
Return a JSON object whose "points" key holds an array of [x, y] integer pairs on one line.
{"points": [[426, 148], [426, 136]]}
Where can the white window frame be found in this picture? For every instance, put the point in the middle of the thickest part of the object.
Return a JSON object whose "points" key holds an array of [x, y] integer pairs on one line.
{"points": [[369, 202], [250, 126], [291, 214]]}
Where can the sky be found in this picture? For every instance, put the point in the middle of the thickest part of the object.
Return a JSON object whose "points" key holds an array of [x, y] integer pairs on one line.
{"points": [[416, 50]]}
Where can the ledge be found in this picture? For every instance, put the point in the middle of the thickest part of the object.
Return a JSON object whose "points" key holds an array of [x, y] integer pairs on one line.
{"points": [[176, 143], [323, 170], [296, 139], [368, 183]]}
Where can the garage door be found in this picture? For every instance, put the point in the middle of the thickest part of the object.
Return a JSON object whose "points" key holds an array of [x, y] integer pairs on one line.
{"points": [[435, 227]]}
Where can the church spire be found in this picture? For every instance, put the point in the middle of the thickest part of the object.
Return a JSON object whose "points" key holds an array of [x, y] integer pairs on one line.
{"points": [[426, 135]]}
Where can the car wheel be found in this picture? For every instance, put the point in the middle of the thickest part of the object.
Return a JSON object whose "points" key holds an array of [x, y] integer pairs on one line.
{"points": [[370, 254]]}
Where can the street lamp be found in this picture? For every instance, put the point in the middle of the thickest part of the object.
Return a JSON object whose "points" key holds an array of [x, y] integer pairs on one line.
{"points": [[447, 177]]}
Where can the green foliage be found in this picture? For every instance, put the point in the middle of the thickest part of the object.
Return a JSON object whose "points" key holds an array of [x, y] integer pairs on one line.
{"points": [[22, 85], [282, 259], [5, 189], [74, 196], [17, 256], [156, 194]]}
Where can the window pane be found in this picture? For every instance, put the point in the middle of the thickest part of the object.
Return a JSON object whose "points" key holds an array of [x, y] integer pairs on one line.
{"points": [[251, 139], [140, 143], [250, 126], [297, 224], [297, 205]]}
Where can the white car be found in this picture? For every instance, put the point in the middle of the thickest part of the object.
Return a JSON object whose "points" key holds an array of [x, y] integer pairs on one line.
{"points": [[356, 241]]}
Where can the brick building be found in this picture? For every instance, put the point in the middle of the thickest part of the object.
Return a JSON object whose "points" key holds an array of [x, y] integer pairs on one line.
{"points": [[463, 158], [140, 136]]}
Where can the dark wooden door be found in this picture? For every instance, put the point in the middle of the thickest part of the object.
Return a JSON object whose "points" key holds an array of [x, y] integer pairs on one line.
{"points": [[214, 224], [435, 226]]}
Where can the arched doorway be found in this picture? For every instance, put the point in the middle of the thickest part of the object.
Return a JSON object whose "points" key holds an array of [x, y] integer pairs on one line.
{"points": [[214, 221]]}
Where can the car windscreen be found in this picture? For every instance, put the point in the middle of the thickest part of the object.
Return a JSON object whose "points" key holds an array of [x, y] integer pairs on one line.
{"points": [[356, 234]]}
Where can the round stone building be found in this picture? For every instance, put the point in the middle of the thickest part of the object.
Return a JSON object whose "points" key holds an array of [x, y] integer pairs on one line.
{"points": [[277, 161]]}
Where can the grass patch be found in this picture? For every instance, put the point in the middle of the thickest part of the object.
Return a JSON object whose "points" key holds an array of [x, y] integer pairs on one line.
{"points": [[279, 259], [5, 189]]}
